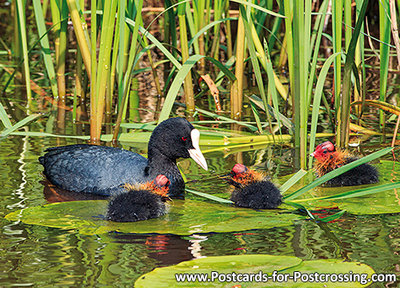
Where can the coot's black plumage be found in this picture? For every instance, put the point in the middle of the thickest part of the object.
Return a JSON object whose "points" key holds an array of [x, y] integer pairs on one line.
{"points": [[144, 203], [104, 170], [329, 159], [252, 190]]}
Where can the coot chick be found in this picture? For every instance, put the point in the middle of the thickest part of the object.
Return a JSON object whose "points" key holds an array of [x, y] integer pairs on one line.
{"points": [[252, 189], [104, 170], [328, 159], [140, 203]]}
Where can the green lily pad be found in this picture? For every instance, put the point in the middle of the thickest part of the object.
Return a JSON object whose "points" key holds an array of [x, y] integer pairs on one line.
{"points": [[267, 264], [185, 217], [380, 203]]}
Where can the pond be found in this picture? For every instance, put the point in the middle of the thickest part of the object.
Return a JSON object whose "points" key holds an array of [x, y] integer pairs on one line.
{"points": [[39, 255]]}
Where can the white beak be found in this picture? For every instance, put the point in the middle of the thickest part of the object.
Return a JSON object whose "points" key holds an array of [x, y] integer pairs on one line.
{"points": [[312, 154], [195, 153]]}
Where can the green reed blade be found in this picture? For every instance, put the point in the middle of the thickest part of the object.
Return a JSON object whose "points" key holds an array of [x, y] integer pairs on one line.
{"points": [[124, 87], [300, 207], [208, 113], [337, 172], [344, 108], [157, 43], [292, 180], [347, 22], [272, 87], [285, 121], [337, 8], [44, 42], [236, 89], [207, 27], [317, 101], [384, 36], [258, 8], [256, 116], [192, 28], [316, 49], [23, 28], [332, 217], [355, 193], [188, 83], [19, 124], [43, 134], [208, 196], [4, 117], [275, 28], [180, 76], [254, 60], [29, 51], [121, 48]]}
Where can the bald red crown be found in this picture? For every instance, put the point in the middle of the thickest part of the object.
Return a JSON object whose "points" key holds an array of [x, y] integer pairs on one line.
{"points": [[323, 151], [239, 169], [161, 181]]}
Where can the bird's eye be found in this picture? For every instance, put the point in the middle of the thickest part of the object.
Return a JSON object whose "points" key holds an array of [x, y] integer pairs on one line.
{"points": [[325, 151], [184, 138]]}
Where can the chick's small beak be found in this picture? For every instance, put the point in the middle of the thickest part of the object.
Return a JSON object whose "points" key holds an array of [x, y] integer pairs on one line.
{"points": [[195, 153]]}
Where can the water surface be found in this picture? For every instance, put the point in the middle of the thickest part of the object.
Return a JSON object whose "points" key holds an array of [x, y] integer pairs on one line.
{"points": [[40, 256]]}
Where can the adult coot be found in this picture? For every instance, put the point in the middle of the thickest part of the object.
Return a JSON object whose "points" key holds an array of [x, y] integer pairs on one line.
{"points": [[104, 170], [252, 189], [144, 202], [328, 159]]}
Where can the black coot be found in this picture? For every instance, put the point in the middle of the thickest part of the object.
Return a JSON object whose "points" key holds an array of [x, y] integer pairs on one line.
{"points": [[252, 189], [142, 203], [104, 170]]}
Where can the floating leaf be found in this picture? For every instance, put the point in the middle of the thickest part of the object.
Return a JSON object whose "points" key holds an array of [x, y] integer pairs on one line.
{"points": [[258, 265], [184, 218]]}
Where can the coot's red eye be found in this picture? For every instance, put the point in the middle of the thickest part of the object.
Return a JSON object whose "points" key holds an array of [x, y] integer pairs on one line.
{"points": [[184, 138]]}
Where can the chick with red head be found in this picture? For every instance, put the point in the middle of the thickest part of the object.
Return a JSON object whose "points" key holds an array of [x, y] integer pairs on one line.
{"points": [[328, 158], [140, 202], [252, 189]]}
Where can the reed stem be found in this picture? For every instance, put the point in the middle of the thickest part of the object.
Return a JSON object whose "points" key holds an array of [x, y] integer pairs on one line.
{"points": [[237, 87], [187, 85]]}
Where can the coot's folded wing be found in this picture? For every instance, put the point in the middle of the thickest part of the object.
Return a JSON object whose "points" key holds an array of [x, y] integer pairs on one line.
{"points": [[92, 169]]}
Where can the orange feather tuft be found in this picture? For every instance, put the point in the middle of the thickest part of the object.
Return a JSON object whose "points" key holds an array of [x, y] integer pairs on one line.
{"points": [[335, 160], [150, 186], [248, 177]]}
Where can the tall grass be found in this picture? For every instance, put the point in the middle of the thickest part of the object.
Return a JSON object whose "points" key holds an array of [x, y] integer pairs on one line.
{"points": [[236, 42]]}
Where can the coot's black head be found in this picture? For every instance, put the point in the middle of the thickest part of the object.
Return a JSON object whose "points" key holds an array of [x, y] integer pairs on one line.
{"points": [[177, 138]]}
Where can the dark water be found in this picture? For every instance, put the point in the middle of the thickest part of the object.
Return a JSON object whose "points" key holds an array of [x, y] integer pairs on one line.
{"points": [[41, 256]]}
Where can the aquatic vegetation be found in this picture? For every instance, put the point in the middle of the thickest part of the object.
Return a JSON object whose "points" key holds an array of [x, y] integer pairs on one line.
{"points": [[278, 72], [221, 34], [261, 265]]}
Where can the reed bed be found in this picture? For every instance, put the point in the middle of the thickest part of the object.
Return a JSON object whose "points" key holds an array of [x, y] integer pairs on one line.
{"points": [[285, 50]]}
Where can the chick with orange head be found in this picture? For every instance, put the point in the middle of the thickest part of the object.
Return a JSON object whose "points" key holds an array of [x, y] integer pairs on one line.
{"points": [[142, 202], [328, 158], [252, 189]]}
